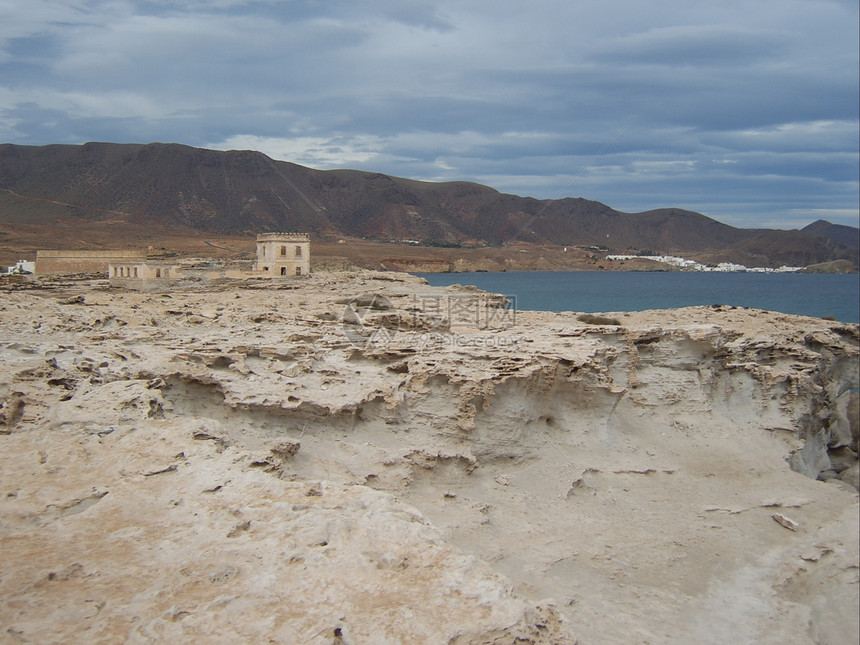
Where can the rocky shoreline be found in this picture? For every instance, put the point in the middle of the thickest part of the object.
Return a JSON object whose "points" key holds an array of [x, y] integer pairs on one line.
{"points": [[359, 457]]}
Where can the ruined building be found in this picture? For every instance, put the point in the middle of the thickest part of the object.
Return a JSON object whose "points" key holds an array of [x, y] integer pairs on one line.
{"points": [[279, 255]]}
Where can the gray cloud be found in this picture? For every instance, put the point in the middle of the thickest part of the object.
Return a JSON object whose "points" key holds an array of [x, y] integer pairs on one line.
{"points": [[747, 112]]}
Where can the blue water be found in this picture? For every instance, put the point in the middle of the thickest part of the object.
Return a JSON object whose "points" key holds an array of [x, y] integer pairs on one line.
{"points": [[600, 291]]}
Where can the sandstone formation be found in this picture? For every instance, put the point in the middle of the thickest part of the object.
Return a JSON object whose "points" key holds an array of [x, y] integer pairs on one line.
{"points": [[362, 458]]}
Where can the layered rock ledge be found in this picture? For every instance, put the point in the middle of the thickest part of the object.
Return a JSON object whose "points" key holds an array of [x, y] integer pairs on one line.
{"points": [[363, 458]]}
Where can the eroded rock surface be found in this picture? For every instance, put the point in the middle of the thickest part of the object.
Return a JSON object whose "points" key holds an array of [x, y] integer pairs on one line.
{"points": [[293, 463]]}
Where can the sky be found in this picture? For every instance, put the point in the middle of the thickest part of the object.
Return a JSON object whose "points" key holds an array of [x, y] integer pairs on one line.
{"points": [[744, 111]]}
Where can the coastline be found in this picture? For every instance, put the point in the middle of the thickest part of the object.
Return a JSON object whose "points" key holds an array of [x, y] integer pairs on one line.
{"points": [[336, 253], [833, 296]]}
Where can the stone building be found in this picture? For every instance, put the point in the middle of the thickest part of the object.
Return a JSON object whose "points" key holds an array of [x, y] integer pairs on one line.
{"points": [[283, 254], [151, 273], [141, 270], [278, 255]]}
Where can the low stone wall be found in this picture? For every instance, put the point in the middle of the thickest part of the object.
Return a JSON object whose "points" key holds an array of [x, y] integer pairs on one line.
{"points": [[146, 277], [52, 262]]}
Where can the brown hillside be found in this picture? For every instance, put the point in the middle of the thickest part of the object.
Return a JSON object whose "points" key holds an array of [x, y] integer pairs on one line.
{"points": [[128, 189], [844, 235]]}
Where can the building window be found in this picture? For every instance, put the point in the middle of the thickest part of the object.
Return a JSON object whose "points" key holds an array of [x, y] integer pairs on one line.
{"points": [[158, 273], [283, 270], [298, 251], [135, 272], [298, 270], [283, 250]]}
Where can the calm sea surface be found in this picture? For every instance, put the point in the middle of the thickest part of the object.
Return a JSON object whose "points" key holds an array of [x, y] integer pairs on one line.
{"points": [[600, 291]]}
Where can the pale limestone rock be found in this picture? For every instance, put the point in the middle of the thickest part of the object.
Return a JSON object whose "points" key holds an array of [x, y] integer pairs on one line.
{"points": [[233, 463]]}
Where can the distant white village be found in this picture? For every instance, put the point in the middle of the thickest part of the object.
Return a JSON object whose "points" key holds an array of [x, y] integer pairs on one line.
{"points": [[692, 265]]}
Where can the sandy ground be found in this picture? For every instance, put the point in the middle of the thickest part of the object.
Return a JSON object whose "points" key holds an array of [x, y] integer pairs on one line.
{"points": [[361, 458], [20, 242]]}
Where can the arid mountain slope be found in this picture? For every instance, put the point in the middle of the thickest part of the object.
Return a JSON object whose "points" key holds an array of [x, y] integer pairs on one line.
{"points": [[241, 191], [845, 235]]}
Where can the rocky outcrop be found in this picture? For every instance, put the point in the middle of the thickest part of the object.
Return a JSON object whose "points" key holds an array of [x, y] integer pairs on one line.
{"points": [[360, 457], [836, 266]]}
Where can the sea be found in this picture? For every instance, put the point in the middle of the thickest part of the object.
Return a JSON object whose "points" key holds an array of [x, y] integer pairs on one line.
{"points": [[808, 294]]}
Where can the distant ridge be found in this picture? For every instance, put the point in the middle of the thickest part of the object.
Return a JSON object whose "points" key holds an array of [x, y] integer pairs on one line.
{"points": [[244, 192], [845, 235]]}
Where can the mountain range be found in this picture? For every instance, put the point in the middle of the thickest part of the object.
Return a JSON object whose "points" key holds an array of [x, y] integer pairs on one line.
{"points": [[239, 192]]}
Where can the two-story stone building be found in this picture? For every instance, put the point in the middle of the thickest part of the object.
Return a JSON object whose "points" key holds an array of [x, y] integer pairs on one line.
{"points": [[284, 254]]}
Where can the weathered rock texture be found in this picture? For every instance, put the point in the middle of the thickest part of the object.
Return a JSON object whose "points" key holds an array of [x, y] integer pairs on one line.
{"points": [[287, 463]]}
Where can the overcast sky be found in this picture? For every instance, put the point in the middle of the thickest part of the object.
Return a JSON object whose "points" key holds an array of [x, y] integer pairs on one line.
{"points": [[745, 111]]}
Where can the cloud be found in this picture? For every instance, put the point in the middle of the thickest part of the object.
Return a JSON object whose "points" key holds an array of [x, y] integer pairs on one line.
{"points": [[318, 152], [744, 111], [699, 46]]}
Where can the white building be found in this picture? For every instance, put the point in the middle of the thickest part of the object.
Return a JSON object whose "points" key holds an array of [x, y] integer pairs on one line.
{"points": [[22, 266]]}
